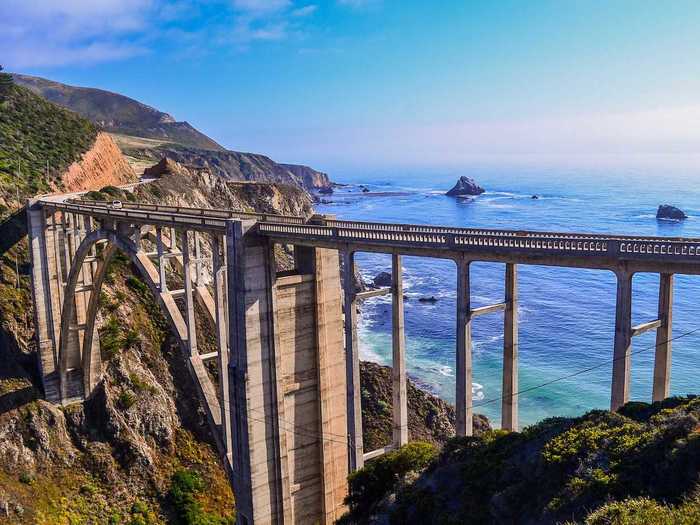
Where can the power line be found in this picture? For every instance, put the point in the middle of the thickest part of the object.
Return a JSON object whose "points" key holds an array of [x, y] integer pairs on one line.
{"points": [[347, 438], [589, 369]]}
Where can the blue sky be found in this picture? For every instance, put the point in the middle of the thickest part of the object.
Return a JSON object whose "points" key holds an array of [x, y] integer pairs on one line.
{"points": [[388, 83]]}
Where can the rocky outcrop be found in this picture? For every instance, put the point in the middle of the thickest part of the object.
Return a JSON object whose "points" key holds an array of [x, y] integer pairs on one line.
{"points": [[465, 186], [429, 417], [200, 188], [668, 212], [310, 178], [100, 166], [382, 279]]}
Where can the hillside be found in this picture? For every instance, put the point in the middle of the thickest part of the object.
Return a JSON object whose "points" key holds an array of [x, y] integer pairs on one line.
{"points": [[229, 165], [38, 142], [638, 466], [131, 122], [117, 113]]}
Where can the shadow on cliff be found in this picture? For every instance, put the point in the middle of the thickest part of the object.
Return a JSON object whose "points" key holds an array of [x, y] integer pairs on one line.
{"points": [[18, 377], [13, 229]]}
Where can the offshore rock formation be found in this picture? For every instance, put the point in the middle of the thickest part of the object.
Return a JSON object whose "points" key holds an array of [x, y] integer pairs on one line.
{"points": [[666, 211], [465, 186], [101, 165], [382, 279]]}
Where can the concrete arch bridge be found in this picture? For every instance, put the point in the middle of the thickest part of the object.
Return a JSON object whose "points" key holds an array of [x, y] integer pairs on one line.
{"points": [[286, 411]]}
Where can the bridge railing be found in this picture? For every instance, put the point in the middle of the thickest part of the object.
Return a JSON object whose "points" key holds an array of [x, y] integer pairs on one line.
{"points": [[446, 238], [146, 217], [410, 235], [386, 226], [206, 212]]}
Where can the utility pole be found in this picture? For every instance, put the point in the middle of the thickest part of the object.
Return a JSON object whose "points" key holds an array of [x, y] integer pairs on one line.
{"points": [[19, 204]]}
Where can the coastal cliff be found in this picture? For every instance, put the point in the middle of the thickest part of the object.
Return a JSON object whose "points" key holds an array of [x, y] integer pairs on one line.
{"points": [[102, 165], [310, 178]]}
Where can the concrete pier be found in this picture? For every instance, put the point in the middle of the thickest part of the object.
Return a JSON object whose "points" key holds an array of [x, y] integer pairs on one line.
{"points": [[664, 334], [352, 365], [509, 404], [622, 359], [464, 412], [398, 342]]}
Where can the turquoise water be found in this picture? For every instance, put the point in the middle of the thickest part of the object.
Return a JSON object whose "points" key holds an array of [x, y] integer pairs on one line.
{"points": [[566, 315]]}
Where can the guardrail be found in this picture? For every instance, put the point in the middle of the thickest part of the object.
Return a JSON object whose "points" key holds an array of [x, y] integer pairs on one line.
{"points": [[402, 235], [687, 250], [205, 212]]}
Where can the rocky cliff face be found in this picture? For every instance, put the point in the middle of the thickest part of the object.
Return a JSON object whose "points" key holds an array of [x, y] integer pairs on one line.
{"points": [[429, 418], [103, 164], [310, 178], [202, 188]]}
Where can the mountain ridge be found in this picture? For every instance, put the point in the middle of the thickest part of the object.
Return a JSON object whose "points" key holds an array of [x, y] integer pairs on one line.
{"points": [[118, 113], [129, 118]]}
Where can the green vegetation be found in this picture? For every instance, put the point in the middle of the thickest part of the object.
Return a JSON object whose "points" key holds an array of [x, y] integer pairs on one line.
{"points": [[645, 511], [639, 465], [38, 141], [6, 83], [368, 486], [185, 488], [126, 400], [109, 193]]}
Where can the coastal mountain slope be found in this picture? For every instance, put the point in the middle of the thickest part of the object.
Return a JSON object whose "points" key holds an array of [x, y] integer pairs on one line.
{"points": [[117, 113], [145, 135], [637, 466]]}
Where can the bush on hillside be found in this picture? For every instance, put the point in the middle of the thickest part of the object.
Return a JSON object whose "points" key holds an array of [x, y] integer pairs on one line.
{"points": [[369, 485], [185, 486], [557, 470]]}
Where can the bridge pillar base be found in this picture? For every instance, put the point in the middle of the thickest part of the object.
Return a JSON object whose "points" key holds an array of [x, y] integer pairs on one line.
{"points": [[286, 389]]}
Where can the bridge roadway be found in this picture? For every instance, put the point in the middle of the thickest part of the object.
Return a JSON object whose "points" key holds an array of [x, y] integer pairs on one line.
{"points": [[282, 335], [579, 250]]}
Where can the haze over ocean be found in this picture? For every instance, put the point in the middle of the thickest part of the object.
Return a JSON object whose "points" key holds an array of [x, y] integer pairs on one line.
{"points": [[567, 316]]}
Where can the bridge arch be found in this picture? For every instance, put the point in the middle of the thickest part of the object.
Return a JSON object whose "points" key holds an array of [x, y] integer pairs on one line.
{"points": [[91, 366]]}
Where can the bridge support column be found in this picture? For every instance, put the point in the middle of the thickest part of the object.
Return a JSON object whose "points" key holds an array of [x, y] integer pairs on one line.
{"points": [[221, 320], [664, 334], [331, 392], [41, 294], [189, 297], [623, 342], [352, 365], [509, 404], [398, 341], [463, 390]]}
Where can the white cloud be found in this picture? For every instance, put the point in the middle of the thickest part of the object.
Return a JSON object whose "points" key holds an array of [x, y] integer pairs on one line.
{"points": [[261, 6], [307, 10], [357, 4], [45, 32]]}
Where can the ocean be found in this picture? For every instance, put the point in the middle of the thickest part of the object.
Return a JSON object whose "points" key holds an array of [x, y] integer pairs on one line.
{"points": [[567, 316]]}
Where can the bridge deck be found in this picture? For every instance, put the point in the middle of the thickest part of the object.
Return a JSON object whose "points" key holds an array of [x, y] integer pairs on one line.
{"points": [[581, 250]]}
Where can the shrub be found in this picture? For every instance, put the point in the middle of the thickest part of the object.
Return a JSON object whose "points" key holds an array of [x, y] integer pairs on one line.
{"points": [[645, 511], [369, 485], [126, 400], [26, 478], [184, 488]]}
